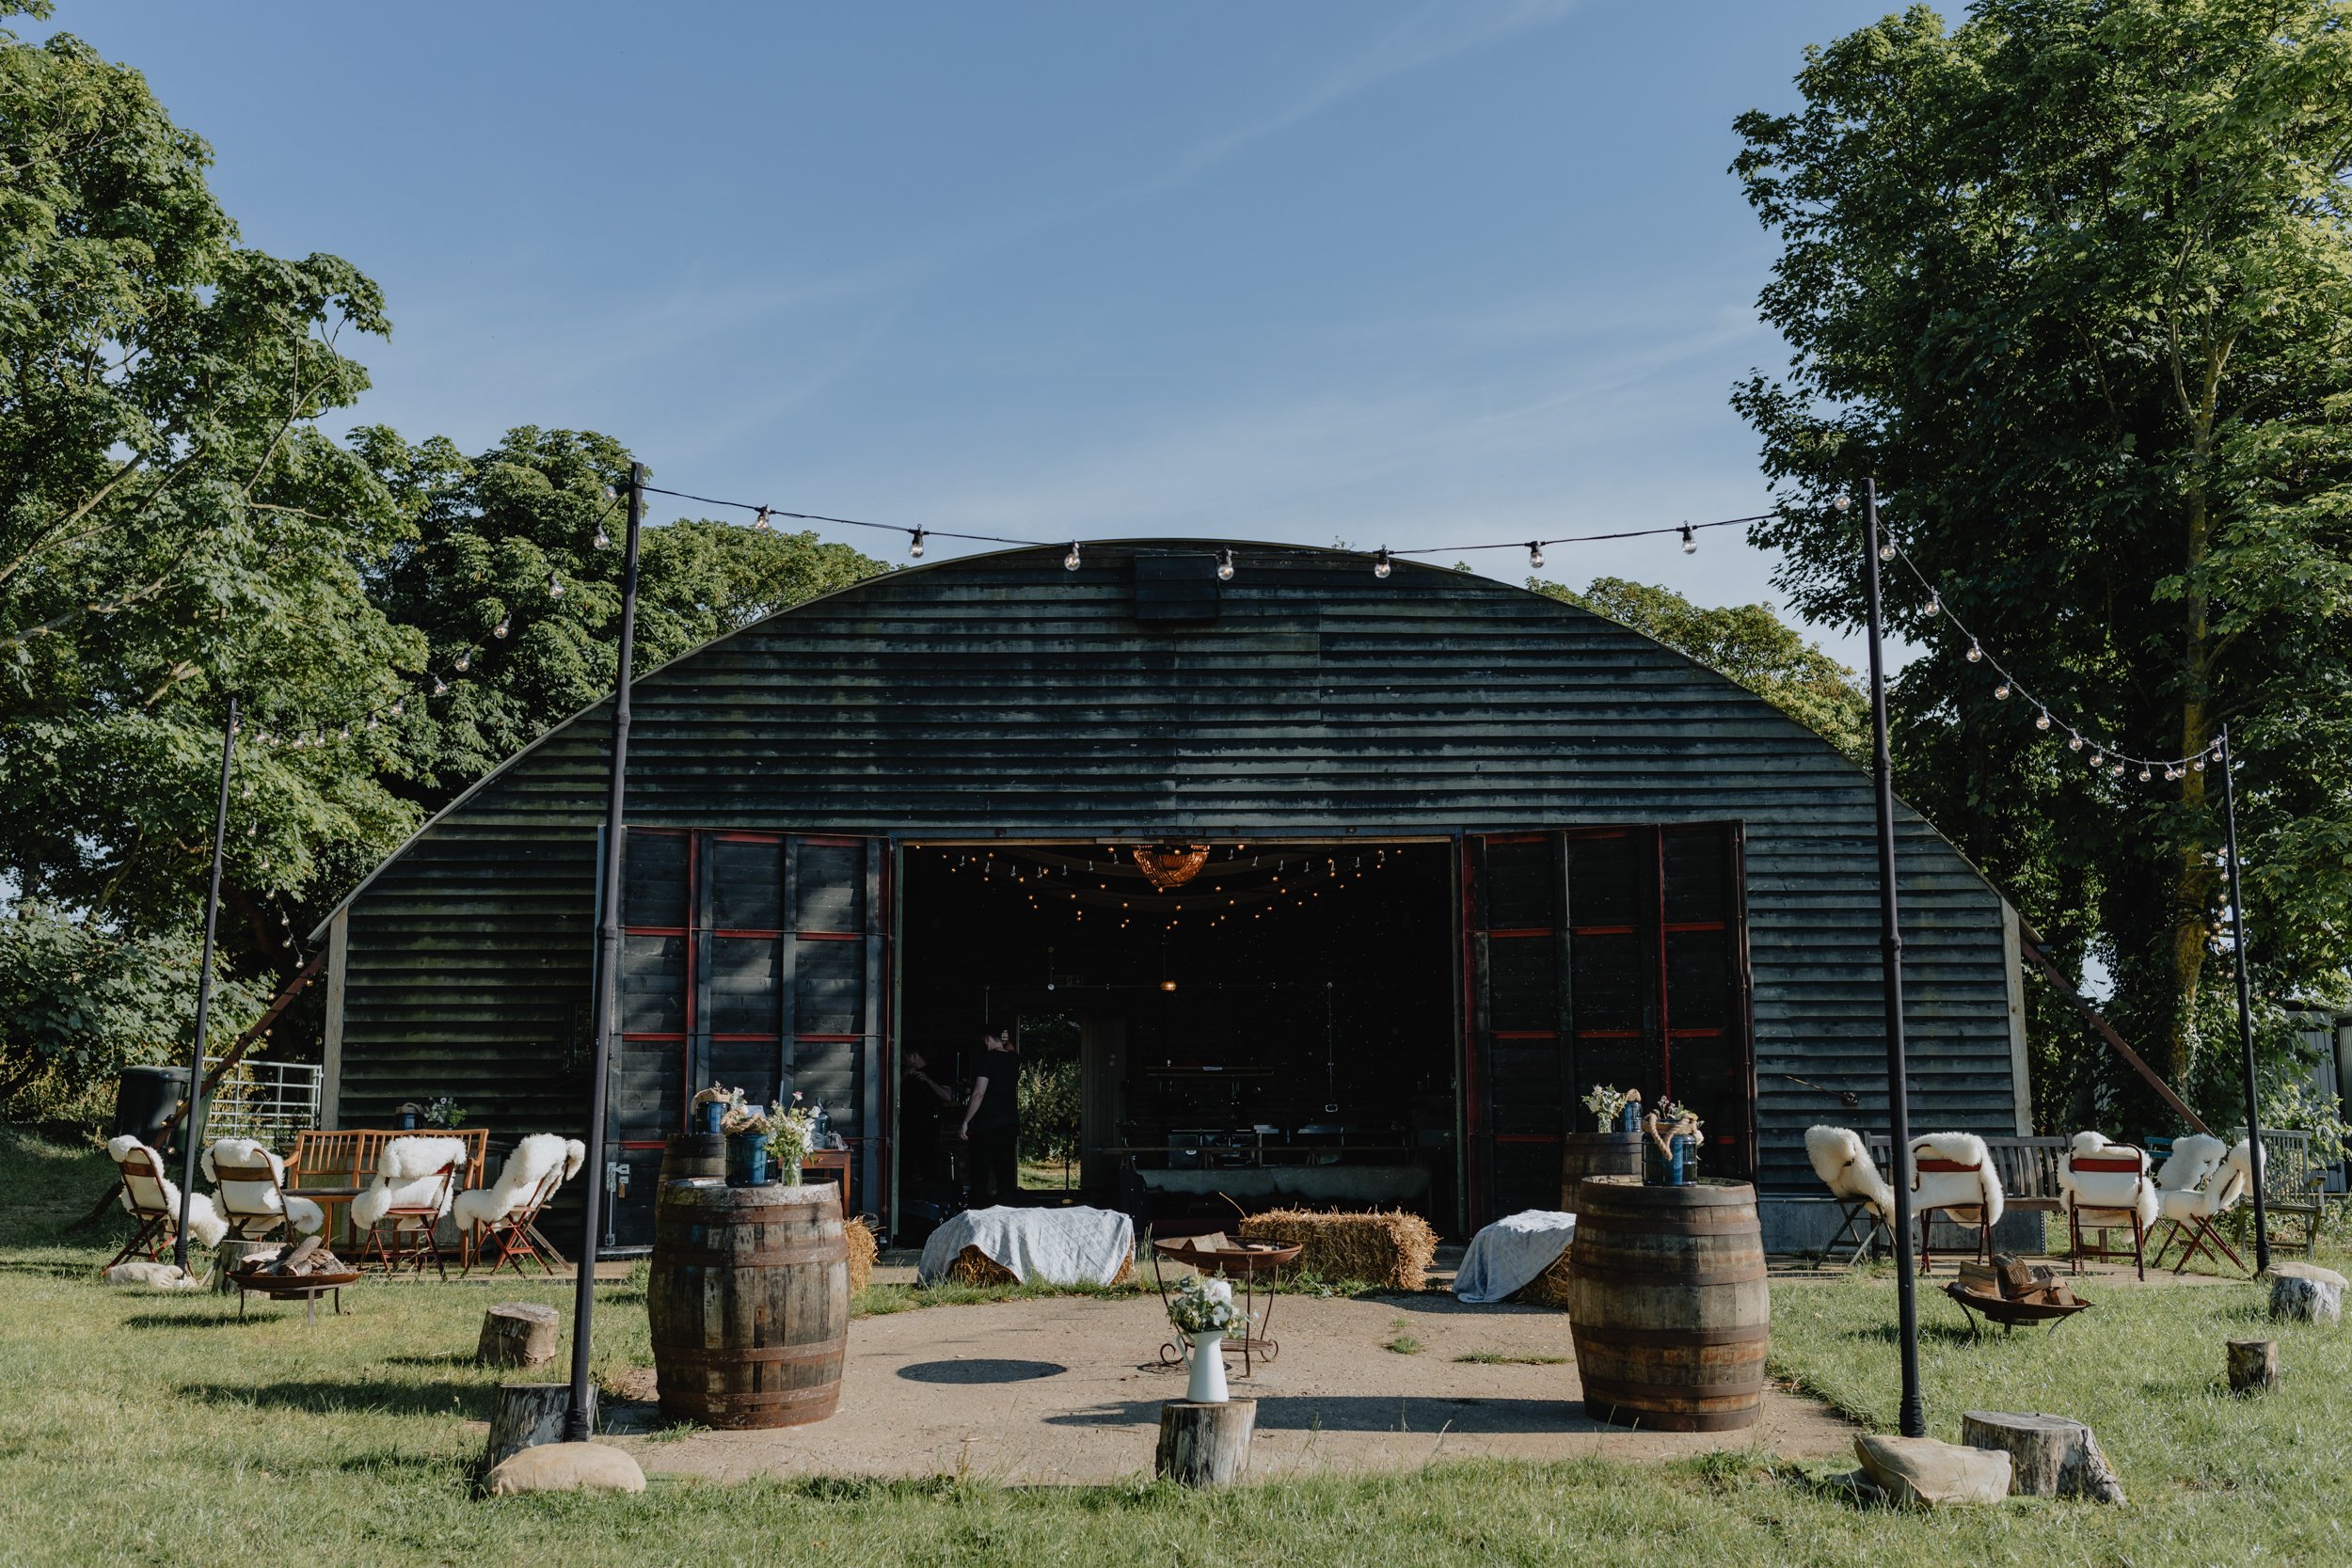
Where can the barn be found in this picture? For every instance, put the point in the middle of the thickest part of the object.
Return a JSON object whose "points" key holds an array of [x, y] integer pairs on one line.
{"points": [[1320, 883]]}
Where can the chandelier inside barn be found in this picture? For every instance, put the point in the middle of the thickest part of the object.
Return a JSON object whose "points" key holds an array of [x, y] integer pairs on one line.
{"points": [[1170, 865]]}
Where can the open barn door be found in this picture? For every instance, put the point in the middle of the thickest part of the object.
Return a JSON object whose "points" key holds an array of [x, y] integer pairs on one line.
{"points": [[753, 960], [1613, 956]]}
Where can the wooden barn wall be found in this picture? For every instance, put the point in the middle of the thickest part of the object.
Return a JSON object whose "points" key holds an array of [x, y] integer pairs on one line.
{"points": [[1007, 696]]}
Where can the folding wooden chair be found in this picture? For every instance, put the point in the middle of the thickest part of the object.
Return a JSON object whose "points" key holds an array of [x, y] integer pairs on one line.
{"points": [[516, 1233], [1952, 1172], [149, 1197], [252, 1197], [2117, 1196], [403, 1235]]}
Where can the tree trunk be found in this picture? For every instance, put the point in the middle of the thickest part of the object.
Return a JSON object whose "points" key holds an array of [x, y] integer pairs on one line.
{"points": [[517, 1334], [230, 1257], [2253, 1366], [528, 1415], [2049, 1455], [1206, 1445]]}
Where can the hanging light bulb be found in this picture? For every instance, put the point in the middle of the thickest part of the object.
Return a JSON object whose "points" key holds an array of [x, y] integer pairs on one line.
{"points": [[1070, 561], [346, 732], [1225, 568], [603, 540], [1382, 565], [2075, 743], [399, 709], [1690, 541], [440, 687], [463, 661], [2198, 764], [1976, 654], [373, 721], [915, 543], [251, 829], [2143, 772], [1534, 554], [298, 743], [506, 623], [2116, 769], [2042, 719], [1886, 551], [1935, 603], [1841, 501], [555, 586], [2098, 759], [2001, 691], [760, 522], [248, 792]]}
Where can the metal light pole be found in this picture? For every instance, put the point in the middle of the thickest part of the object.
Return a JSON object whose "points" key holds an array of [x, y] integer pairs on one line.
{"points": [[576, 1417], [2245, 1003], [1914, 1414], [192, 1124]]}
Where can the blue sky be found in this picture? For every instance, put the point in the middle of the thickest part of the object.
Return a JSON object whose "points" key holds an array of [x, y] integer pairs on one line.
{"points": [[1400, 274]]}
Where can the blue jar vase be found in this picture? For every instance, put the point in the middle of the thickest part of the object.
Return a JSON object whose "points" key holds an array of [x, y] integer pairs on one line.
{"points": [[1669, 1167], [747, 1160], [713, 1112]]}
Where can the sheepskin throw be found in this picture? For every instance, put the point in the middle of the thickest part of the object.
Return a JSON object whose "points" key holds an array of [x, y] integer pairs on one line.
{"points": [[2193, 1158], [2108, 1196], [408, 1175], [1972, 1196], [1843, 1162], [537, 1158], [2228, 1187], [151, 1194], [244, 1199]]}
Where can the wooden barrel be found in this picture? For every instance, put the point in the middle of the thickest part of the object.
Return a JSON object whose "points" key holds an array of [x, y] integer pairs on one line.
{"points": [[692, 1154], [749, 1301], [1667, 1304], [1583, 1154]]}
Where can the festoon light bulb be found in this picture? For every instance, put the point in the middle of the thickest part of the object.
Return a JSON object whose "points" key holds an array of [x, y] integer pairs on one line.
{"points": [[914, 545], [2000, 692], [1225, 568], [506, 623], [2042, 719], [1381, 566], [1534, 554], [1690, 541]]}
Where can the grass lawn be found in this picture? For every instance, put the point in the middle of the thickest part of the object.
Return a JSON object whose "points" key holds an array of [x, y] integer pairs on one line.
{"points": [[153, 1428]]}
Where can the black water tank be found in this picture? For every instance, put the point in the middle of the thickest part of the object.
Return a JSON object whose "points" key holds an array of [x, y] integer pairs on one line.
{"points": [[144, 1099]]}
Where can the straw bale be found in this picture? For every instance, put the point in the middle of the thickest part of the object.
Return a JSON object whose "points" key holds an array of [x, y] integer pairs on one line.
{"points": [[861, 1250], [973, 1267], [1547, 1289], [1391, 1248]]}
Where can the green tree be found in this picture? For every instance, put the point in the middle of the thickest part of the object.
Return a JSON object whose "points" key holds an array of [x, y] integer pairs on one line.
{"points": [[1749, 643], [2073, 280]]}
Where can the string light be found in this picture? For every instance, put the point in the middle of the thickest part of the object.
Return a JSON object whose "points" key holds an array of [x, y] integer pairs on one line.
{"points": [[1381, 566], [760, 522], [1070, 561], [440, 687], [463, 661], [506, 623], [2042, 719], [1935, 605], [1976, 654], [603, 540], [2001, 691], [1225, 568], [915, 543], [1690, 541], [555, 586], [1886, 551], [2075, 743], [1535, 555]]}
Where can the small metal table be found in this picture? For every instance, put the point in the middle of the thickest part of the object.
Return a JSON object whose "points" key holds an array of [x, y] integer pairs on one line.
{"points": [[1248, 1261]]}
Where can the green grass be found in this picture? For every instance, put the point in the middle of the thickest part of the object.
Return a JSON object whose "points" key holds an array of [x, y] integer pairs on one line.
{"points": [[1404, 1344], [150, 1429], [1509, 1358]]}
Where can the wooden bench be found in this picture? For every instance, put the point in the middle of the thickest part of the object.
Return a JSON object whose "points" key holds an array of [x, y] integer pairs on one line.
{"points": [[2293, 1183], [331, 1168]]}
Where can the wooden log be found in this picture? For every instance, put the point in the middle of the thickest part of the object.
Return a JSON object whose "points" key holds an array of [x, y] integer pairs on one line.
{"points": [[2253, 1366], [2050, 1456], [2303, 1294], [517, 1334], [1206, 1445], [528, 1415], [230, 1257]]}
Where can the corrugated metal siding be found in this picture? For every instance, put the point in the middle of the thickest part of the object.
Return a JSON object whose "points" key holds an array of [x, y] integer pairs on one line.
{"points": [[1006, 695]]}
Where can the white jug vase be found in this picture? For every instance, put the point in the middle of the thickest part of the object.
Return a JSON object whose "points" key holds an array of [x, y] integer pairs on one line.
{"points": [[1208, 1369]]}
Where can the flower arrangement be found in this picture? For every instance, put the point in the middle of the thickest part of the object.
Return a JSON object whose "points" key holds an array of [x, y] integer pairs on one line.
{"points": [[445, 1111], [786, 1128], [1203, 1306], [1607, 1102], [1676, 1119]]}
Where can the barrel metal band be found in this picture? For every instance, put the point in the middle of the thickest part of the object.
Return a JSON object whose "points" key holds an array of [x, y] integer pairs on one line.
{"points": [[724, 1356], [1611, 1274], [1699, 1396], [1754, 1334], [804, 1252]]}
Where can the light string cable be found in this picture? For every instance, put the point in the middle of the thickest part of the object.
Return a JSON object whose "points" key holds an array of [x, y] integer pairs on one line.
{"points": [[2109, 760], [764, 516]]}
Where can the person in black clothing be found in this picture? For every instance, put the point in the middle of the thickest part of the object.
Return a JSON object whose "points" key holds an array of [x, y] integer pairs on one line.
{"points": [[991, 1121], [923, 1099]]}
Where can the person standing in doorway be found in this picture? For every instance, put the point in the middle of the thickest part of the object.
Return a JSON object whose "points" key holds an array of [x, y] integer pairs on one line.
{"points": [[991, 1121], [923, 1101]]}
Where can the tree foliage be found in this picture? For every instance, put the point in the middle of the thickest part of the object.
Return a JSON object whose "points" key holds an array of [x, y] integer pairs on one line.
{"points": [[1749, 643], [2073, 280]]}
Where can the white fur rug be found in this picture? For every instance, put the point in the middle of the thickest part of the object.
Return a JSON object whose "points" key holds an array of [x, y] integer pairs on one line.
{"points": [[533, 1160]]}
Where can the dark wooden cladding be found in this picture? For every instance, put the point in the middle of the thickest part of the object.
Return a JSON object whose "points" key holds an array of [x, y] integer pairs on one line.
{"points": [[748, 1301], [1004, 696], [1668, 1304]]}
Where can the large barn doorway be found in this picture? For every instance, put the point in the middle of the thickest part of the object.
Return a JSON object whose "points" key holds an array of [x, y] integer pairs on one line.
{"points": [[1279, 1024]]}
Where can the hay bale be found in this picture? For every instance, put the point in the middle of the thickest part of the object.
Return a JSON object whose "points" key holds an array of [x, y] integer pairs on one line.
{"points": [[863, 1248], [1547, 1289], [1391, 1248], [973, 1267]]}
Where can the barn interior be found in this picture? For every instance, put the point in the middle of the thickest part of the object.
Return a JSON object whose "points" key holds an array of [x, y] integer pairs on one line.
{"points": [[1205, 1026]]}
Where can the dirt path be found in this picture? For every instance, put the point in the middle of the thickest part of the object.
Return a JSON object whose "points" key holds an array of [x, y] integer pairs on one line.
{"points": [[1062, 1391]]}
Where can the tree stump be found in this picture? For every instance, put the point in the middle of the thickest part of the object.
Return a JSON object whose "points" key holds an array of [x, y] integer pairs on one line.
{"points": [[528, 1415], [2304, 1292], [2253, 1366], [517, 1334], [2049, 1456], [229, 1258], [1206, 1445]]}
